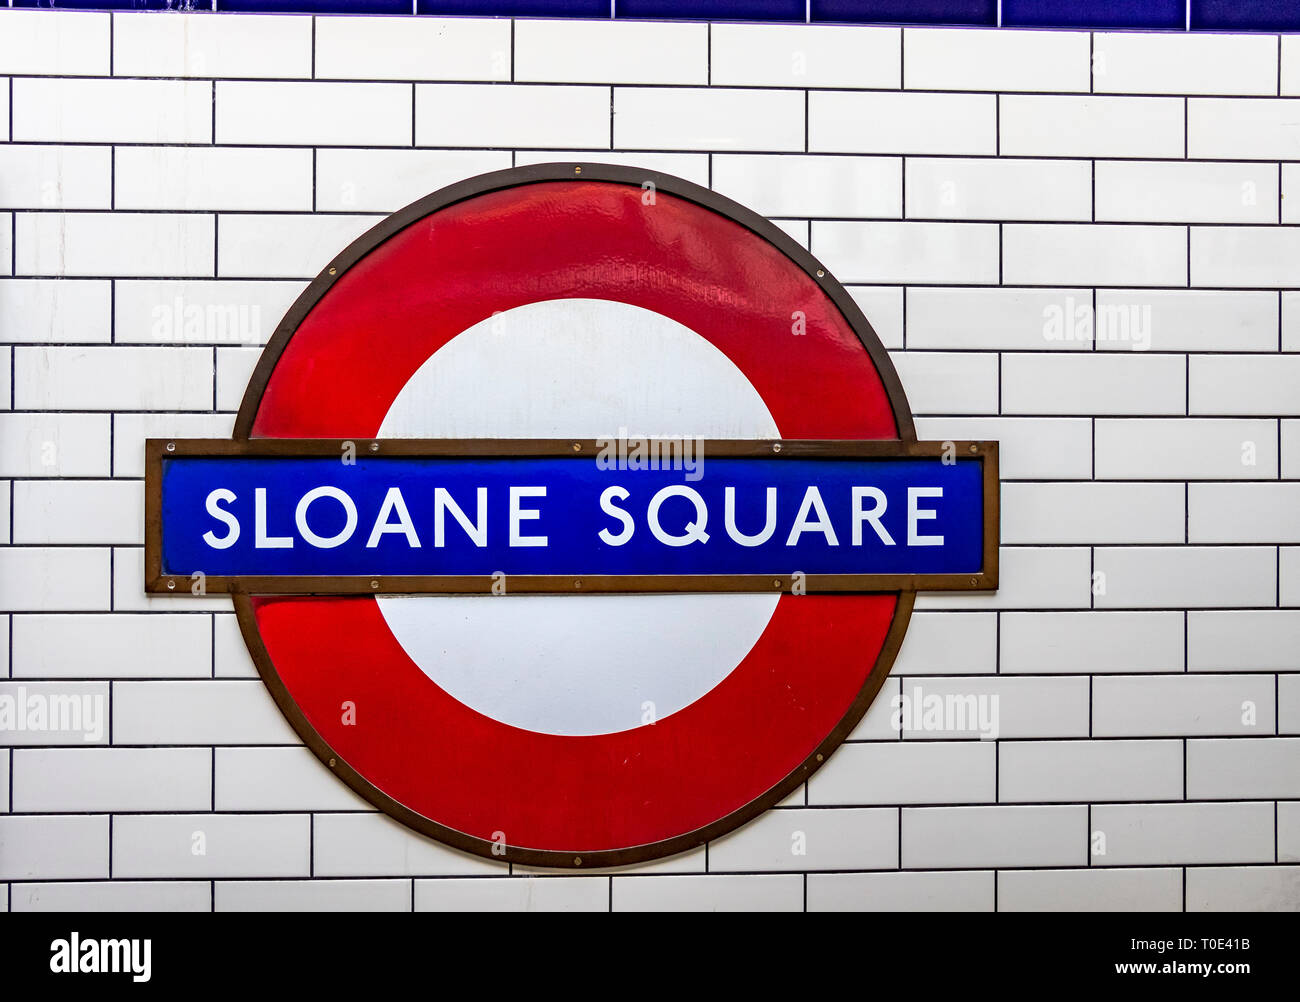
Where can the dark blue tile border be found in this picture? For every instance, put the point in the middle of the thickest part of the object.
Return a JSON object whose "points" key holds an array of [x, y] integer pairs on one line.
{"points": [[957, 12], [1169, 14], [1246, 15], [100, 4]]}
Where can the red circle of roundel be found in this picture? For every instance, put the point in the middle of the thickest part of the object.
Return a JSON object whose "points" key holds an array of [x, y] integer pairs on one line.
{"points": [[402, 292]]}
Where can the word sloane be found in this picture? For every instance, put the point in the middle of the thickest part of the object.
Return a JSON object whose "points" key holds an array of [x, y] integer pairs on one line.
{"points": [[75, 955]]}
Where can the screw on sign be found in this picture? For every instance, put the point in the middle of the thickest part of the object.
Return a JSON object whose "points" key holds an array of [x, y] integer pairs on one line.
{"points": [[546, 534]]}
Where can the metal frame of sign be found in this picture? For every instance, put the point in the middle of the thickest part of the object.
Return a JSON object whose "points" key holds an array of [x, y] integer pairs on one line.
{"points": [[157, 451], [243, 590]]}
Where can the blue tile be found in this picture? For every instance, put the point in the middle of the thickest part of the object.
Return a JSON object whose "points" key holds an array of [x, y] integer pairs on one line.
{"points": [[1246, 15], [1095, 13], [982, 12], [713, 10], [517, 8], [315, 6]]}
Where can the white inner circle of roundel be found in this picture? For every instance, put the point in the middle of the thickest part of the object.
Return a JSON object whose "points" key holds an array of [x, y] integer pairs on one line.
{"points": [[580, 664]]}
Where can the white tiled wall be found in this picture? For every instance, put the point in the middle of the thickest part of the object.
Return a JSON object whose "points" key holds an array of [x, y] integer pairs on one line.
{"points": [[1144, 646]]}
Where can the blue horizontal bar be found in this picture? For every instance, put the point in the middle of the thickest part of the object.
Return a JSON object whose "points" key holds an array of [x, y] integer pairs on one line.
{"points": [[1095, 13], [233, 516], [1246, 15], [954, 12], [1205, 15]]}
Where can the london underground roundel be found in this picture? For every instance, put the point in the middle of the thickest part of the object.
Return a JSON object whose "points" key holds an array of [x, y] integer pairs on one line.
{"points": [[573, 515]]}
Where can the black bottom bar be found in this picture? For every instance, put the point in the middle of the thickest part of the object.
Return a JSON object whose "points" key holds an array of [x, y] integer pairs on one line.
{"points": [[477, 954]]}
